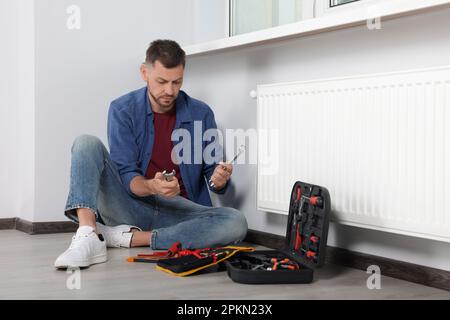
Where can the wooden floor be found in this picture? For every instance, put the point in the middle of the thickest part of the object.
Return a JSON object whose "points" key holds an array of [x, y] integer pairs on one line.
{"points": [[27, 272]]}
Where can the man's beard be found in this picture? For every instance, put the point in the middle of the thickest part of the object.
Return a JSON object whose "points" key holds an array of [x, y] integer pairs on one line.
{"points": [[160, 102]]}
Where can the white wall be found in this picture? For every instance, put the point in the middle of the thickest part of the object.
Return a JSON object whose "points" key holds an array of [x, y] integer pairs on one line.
{"points": [[224, 80], [208, 20], [26, 123], [17, 108], [8, 107]]}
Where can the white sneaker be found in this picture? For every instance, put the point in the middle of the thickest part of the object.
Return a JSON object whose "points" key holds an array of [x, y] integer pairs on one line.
{"points": [[118, 236], [87, 248]]}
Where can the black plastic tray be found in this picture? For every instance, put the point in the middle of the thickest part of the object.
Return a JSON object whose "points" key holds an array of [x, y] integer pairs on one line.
{"points": [[315, 221], [238, 274]]}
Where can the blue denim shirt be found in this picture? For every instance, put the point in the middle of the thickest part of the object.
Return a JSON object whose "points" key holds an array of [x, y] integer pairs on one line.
{"points": [[131, 135]]}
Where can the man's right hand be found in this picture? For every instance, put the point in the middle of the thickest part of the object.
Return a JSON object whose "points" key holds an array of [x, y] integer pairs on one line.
{"points": [[159, 185]]}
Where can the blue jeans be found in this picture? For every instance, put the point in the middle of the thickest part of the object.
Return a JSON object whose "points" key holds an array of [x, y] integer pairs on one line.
{"points": [[95, 184]]}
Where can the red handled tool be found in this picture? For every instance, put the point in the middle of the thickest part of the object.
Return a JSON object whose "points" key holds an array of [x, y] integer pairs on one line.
{"points": [[298, 237], [314, 239], [174, 249], [315, 201], [274, 263], [310, 254]]}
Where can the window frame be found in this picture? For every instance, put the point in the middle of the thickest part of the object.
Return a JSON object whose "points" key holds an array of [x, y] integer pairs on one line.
{"points": [[311, 9], [325, 20], [230, 16], [341, 4], [328, 9]]}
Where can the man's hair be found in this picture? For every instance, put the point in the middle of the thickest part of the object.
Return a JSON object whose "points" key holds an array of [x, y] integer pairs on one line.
{"points": [[168, 52]]}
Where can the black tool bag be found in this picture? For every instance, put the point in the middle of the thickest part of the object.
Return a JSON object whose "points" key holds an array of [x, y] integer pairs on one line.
{"points": [[305, 247], [187, 262]]}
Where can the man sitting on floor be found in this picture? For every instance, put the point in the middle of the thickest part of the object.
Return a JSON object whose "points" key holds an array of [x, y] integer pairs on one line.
{"points": [[122, 199]]}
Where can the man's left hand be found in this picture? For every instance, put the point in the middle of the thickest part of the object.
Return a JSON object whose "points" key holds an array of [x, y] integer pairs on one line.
{"points": [[221, 175]]}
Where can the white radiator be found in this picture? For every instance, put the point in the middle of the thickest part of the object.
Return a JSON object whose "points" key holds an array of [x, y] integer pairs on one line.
{"points": [[379, 143]]}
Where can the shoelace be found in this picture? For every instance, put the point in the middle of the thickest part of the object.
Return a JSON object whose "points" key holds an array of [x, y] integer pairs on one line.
{"points": [[76, 240]]}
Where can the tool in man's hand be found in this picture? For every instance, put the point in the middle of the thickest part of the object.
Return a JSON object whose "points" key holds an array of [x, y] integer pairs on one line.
{"points": [[240, 151], [168, 175]]}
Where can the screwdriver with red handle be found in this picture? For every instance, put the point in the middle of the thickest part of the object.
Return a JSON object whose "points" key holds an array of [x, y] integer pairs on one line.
{"points": [[156, 256]]}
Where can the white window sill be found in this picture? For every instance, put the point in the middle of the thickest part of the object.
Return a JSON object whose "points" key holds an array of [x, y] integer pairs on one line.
{"points": [[355, 16]]}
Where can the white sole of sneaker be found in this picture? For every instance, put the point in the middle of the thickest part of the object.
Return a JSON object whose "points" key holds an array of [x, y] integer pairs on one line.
{"points": [[83, 264]]}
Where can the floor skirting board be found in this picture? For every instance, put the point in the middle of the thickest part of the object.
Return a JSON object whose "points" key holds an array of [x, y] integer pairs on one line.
{"points": [[37, 227]]}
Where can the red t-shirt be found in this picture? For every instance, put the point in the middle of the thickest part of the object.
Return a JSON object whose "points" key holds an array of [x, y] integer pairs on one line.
{"points": [[161, 160]]}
